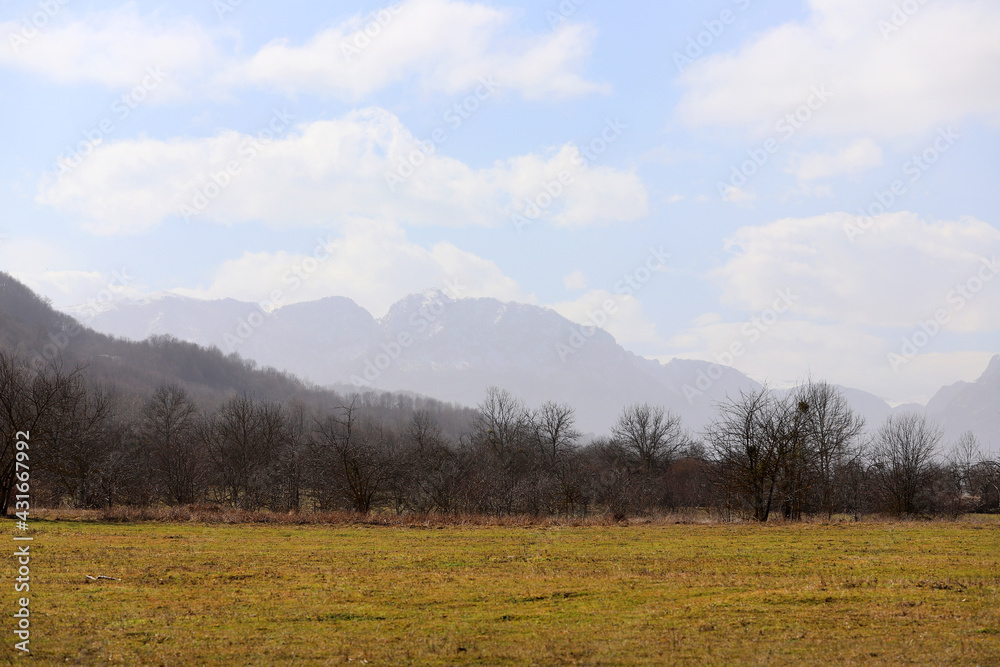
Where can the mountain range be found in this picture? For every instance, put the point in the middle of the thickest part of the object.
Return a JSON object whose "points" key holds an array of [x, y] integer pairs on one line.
{"points": [[453, 350]]}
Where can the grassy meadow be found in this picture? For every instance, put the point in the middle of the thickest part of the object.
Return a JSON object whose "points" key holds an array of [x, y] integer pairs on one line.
{"points": [[658, 593]]}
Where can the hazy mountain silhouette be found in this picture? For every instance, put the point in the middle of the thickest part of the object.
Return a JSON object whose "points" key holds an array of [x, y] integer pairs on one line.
{"points": [[453, 350]]}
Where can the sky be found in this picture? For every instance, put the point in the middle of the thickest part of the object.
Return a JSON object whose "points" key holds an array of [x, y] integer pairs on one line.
{"points": [[792, 188]]}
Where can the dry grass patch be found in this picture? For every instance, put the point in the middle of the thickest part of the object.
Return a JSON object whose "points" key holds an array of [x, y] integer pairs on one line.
{"points": [[216, 593]]}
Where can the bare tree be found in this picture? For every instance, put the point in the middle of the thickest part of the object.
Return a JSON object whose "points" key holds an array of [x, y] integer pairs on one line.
{"points": [[612, 478], [902, 461], [832, 431], [168, 427], [747, 443], [557, 437], [651, 435], [243, 440], [960, 467], [74, 442], [503, 423], [788, 427], [986, 481], [557, 434], [355, 458], [125, 462], [431, 470], [27, 396], [504, 445], [974, 477], [289, 468]]}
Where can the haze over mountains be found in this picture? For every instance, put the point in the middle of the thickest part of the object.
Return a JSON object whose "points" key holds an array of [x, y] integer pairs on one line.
{"points": [[31, 329], [453, 350]]}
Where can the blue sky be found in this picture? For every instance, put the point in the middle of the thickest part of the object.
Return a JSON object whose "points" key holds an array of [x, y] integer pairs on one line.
{"points": [[535, 152]]}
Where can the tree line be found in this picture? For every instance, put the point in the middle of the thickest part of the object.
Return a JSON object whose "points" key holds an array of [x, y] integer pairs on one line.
{"points": [[766, 455]]}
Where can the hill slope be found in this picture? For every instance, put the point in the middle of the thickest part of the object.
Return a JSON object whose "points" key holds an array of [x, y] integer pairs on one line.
{"points": [[970, 406], [36, 332]]}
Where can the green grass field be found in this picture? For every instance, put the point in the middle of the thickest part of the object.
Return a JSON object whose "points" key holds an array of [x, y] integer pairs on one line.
{"points": [[639, 594]]}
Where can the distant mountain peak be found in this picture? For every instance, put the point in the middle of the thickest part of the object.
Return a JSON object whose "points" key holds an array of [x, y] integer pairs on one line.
{"points": [[94, 308], [327, 304], [993, 370]]}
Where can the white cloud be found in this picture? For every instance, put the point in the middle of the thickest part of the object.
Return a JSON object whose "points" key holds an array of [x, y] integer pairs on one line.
{"points": [[448, 45], [899, 272], [619, 314], [82, 291], [782, 350], [857, 156], [933, 71], [575, 281], [27, 259], [328, 172], [443, 45], [372, 263], [852, 304], [738, 196], [113, 49], [793, 349]]}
